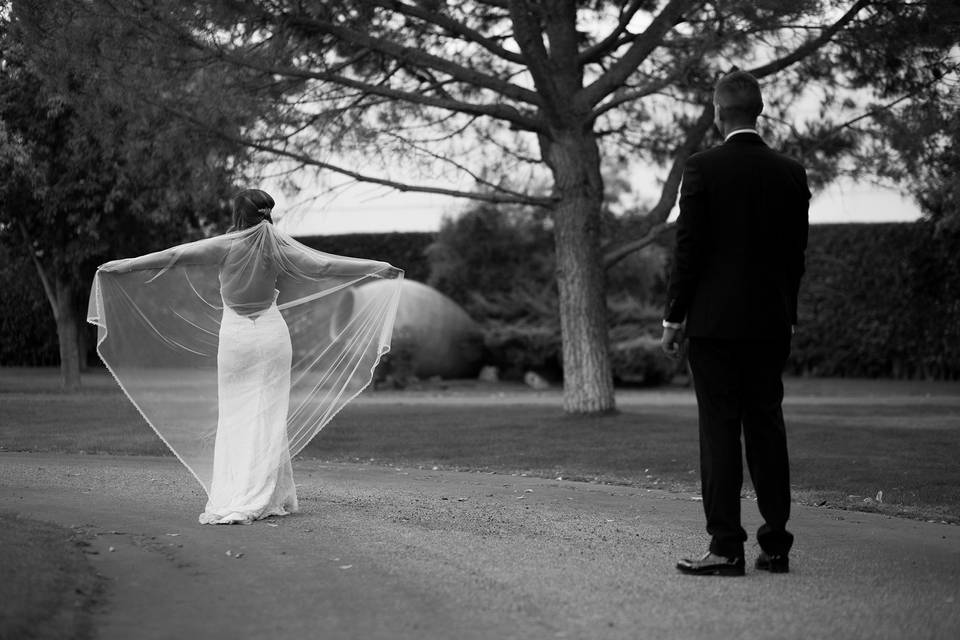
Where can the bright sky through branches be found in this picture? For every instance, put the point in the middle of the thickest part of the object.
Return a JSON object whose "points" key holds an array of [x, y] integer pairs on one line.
{"points": [[369, 208]]}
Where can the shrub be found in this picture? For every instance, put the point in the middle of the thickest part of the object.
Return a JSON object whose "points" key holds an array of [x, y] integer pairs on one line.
{"points": [[517, 347], [499, 264], [26, 324], [880, 300]]}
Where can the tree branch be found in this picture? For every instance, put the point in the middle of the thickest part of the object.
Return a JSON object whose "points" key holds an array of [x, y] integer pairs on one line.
{"points": [[622, 97], [613, 40], [505, 197], [614, 256], [811, 45], [458, 166], [417, 56], [642, 47], [668, 195], [499, 111], [873, 112], [454, 27], [527, 33], [44, 279]]}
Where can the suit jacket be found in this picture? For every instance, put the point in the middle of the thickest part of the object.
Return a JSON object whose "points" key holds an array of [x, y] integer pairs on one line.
{"points": [[740, 243]]}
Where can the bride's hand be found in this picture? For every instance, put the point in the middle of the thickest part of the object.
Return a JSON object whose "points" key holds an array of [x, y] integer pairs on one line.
{"points": [[114, 266]]}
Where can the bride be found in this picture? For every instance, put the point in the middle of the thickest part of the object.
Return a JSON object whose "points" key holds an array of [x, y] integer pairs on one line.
{"points": [[213, 340]]}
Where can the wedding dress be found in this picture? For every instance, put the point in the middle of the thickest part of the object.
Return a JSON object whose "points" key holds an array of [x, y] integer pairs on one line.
{"points": [[237, 350]]}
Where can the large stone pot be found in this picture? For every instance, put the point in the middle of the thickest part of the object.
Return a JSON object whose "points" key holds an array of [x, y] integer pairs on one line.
{"points": [[433, 331]]}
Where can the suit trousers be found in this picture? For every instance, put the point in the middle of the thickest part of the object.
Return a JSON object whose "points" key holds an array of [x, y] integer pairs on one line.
{"points": [[739, 389]]}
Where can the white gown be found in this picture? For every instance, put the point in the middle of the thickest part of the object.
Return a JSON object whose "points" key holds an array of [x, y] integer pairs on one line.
{"points": [[252, 474], [238, 349]]}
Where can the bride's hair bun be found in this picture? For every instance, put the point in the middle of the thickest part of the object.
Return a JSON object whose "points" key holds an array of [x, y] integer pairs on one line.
{"points": [[250, 208]]}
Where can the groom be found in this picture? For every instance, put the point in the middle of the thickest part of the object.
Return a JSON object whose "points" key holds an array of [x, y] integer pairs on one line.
{"points": [[737, 264]]}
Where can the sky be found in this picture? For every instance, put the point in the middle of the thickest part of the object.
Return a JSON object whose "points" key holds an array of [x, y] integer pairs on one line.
{"points": [[365, 208]]}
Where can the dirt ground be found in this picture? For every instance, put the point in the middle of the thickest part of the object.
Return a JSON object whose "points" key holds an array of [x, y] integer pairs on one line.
{"points": [[380, 552]]}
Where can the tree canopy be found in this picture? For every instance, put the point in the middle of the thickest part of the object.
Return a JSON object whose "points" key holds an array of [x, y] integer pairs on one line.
{"points": [[531, 102], [912, 137], [87, 173]]}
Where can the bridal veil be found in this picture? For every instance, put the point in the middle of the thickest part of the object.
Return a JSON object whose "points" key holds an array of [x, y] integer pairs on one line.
{"points": [[159, 320]]}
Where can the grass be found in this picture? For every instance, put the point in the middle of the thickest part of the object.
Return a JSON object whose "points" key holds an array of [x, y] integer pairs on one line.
{"points": [[48, 586], [849, 440], [837, 458]]}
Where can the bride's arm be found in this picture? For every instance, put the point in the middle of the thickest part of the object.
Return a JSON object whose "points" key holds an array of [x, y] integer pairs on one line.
{"points": [[199, 252], [357, 267], [316, 264]]}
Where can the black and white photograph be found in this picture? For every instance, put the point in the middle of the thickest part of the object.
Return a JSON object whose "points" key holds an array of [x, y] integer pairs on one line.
{"points": [[479, 319]]}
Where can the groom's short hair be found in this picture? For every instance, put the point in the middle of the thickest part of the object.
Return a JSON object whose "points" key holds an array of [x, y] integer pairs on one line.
{"points": [[738, 98]]}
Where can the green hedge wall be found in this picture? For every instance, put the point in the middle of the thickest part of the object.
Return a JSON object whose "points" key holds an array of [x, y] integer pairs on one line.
{"points": [[880, 300], [28, 334], [404, 250]]}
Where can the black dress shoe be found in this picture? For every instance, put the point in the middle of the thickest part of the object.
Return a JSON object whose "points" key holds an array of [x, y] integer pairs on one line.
{"points": [[774, 563], [712, 565]]}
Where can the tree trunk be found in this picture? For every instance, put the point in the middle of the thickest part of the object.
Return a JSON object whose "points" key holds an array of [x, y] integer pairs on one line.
{"points": [[67, 335], [83, 336], [587, 378], [60, 295]]}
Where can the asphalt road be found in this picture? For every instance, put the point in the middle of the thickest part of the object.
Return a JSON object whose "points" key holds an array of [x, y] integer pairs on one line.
{"points": [[380, 552]]}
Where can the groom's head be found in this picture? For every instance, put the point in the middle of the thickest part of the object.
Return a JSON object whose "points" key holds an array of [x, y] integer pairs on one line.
{"points": [[737, 101]]}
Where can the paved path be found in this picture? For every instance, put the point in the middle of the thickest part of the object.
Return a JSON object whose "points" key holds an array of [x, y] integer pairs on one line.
{"points": [[379, 552]]}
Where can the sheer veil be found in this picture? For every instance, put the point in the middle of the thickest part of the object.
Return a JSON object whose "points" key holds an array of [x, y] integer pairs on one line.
{"points": [[159, 318]]}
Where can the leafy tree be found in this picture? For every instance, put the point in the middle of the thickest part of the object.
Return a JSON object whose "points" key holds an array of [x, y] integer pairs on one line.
{"points": [[498, 262], [912, 62], [491, 99], [86, 174]]}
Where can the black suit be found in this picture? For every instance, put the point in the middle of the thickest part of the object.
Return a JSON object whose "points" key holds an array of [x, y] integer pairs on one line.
{"points": [[739, 257]]}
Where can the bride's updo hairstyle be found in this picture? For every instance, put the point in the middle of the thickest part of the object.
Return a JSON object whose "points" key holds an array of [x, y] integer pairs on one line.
{"points": [[250, 208]]}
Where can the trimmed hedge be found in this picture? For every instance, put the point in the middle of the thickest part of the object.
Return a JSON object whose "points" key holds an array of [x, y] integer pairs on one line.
{"points": [[406, 251], [880, 300], [29, 334]]}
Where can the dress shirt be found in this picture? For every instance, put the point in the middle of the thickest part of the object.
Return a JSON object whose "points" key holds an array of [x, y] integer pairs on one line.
{"points": [[736, 131]]}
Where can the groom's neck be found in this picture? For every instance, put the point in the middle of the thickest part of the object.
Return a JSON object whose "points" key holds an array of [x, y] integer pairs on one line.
{"points": [[729, 127]]}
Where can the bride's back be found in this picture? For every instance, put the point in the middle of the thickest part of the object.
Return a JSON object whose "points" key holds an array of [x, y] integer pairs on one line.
{"points": [[248, 274]]}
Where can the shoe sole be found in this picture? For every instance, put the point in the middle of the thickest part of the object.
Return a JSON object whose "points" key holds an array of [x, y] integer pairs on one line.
{"points": [[774, 569], [726, 572]]}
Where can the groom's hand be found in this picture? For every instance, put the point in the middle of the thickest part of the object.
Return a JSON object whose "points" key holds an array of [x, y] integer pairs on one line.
{"points": [[670, 342]]}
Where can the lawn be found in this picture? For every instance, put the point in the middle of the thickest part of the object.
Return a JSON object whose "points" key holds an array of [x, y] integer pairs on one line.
{"points": [[882, 446]]}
